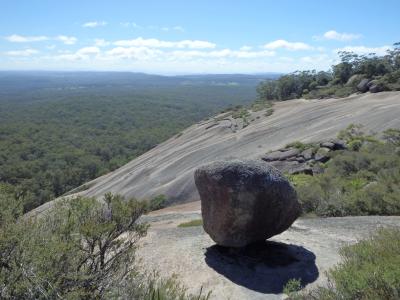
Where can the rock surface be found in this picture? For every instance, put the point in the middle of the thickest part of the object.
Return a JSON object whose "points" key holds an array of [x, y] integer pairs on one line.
{"points": [[308, 249], [245, 201]]}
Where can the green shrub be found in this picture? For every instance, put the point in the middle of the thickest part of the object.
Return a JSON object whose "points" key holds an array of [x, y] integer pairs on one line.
{"points": [[369, 270], [292, 286], [157, 202], [362, 182], [78, 250]]}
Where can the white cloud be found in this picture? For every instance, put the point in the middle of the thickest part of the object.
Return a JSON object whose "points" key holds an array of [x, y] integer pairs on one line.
{"points": [[130, 24], [224, 53], [293, 46], [101, 43], [88, 51], [334, 35], [51, 47], [174, 28], [84, 53], [365, 50], [25, 52], [16, 38], [94, 24], [178, 28], [245, 48], [155, 43], [67, 40], [135, 53]]}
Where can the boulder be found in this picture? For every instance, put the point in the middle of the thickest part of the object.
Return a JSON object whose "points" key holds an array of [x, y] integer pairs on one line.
{"points": [[363, 85], [245, 201], [307, 153], [328, 145], [375, 87], [354, 80], [339, 145], [285, 166], [317, 169], [280, 155], [302, 169], [322, 155]]}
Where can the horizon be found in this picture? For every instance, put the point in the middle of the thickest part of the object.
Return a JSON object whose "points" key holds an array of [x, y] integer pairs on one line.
{"points": [[178, 38]]}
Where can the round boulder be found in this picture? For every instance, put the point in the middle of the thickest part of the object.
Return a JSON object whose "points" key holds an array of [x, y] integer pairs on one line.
{"points": [[245, 201]]}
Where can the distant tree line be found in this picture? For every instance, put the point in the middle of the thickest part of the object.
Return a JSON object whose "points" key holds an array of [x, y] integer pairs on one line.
{"points": [[340, 81]]}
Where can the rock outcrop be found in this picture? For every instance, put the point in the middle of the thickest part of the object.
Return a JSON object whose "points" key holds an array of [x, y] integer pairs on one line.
{"points": [[308, 161], [363, 85], [245, 201]]}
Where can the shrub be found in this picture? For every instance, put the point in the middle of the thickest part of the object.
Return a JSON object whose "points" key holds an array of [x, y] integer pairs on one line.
{"points": [[362, 182], [369, 270], [79, 250], [292, 286]]}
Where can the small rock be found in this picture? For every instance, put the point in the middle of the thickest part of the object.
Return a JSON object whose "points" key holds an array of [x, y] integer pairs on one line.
{"points": [[328, 145], [339, 145], [375, 88], [317, 169], [245, 201], [284, 166], [308, 153], [301, 169], [280, 155], [363, 85], [322, 155]]}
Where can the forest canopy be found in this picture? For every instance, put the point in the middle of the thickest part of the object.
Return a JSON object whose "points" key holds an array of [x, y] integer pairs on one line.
{"points": [[60, 130]]}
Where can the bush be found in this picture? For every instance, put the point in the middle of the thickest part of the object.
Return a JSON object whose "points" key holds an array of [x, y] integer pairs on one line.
{"points": [[369, 270], [363, 180], [79, 250]]}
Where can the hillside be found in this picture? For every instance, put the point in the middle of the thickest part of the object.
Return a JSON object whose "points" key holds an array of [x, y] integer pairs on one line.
{"points": [[168, 168]]}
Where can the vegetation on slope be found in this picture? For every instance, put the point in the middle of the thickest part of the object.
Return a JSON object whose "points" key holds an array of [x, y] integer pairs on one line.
{"points": [[369, 270], [82, 249], [341, 81], [364, 180]]}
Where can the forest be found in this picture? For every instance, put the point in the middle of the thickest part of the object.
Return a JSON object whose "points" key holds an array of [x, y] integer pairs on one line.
{"points": [[59, 130]]}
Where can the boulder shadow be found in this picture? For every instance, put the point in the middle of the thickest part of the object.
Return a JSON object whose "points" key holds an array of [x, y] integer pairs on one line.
{"points": [[263, 267]]}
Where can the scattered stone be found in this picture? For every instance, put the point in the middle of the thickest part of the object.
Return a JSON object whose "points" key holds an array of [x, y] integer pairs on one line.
{"points": [[363, 85], [280, 155], [302, 169], [307, 154], [353, 80], [374, 86], [339, 145], [284, 166], [317, 169], [245, 201], [322, 155], [328, 145]]}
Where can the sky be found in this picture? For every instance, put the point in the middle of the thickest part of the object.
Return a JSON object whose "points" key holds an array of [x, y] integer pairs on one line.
{"points": [[192, 37]]}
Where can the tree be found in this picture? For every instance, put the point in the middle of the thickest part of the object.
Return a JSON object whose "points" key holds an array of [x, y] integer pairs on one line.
{"points": [[79, 250]]}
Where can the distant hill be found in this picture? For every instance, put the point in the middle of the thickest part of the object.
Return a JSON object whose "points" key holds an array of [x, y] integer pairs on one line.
{"points": [[17, 81]]}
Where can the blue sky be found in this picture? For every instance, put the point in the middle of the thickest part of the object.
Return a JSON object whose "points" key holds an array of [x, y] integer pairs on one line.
{"points": [[178, 37]]}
